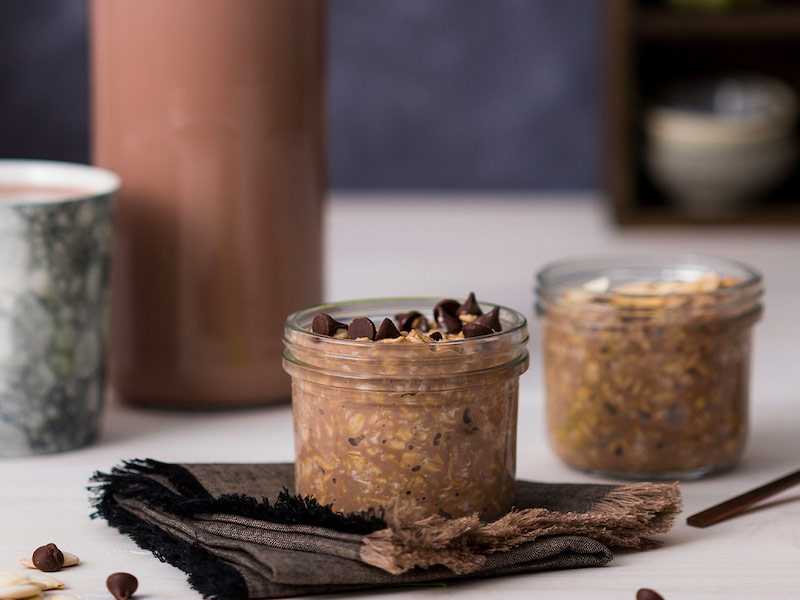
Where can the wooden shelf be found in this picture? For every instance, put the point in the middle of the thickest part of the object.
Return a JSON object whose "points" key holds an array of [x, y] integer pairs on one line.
{"points": [[771, 23], [665, 215], [649, 47]]}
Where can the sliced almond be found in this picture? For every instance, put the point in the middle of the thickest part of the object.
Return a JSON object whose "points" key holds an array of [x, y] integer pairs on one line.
{"points": [[69, 561], [11, 578], [62, 597], [20, 590], [45, 581], [598, 286]]}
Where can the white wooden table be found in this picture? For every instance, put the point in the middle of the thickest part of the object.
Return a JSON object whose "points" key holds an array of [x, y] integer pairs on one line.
{"points": [[492, 244]]}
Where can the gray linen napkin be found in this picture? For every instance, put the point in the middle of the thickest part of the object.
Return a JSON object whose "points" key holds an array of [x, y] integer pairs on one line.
{"points": [[238, 531]]}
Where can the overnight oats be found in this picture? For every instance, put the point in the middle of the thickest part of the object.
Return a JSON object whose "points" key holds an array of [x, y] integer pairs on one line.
{"points": [[396, 404], [647, 362]]}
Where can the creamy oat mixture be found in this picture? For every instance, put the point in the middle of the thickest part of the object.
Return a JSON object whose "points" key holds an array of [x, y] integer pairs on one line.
{"points": [[649, 377], [411, 420]]}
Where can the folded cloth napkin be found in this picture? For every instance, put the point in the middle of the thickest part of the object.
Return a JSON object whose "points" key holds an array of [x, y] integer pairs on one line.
{"points": [[238, 531]]}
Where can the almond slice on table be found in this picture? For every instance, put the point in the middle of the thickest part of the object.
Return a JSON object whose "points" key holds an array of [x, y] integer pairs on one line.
{"points": [[69, 561], [19, 591], [45, 581], [11, 578]]}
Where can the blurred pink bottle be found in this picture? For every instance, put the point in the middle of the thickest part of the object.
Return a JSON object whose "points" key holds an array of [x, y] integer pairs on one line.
{"points": [[212, 114]]}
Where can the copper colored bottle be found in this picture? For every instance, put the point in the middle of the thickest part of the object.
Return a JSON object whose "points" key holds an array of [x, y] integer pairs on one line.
{"points": [[212, 113]]}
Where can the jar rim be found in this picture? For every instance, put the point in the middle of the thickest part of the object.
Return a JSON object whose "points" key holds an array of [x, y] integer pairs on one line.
{"points": [[294, 322], [550, 277]]}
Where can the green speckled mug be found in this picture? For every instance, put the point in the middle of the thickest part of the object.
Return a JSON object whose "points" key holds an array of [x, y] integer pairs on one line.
{"points": [[56, 232]]}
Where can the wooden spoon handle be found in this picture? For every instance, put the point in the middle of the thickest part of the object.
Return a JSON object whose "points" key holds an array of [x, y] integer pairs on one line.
{"points": [[739, 503]]}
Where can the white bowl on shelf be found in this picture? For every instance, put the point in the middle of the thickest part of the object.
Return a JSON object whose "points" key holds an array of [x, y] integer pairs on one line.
{"points": [[714, 144]]}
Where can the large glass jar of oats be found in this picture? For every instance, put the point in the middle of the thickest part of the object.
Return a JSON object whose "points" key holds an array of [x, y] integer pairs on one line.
{"points": [[646, 362], [420, 420]]}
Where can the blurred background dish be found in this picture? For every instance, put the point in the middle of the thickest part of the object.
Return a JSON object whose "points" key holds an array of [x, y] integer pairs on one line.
{"points": [[715, 143]]}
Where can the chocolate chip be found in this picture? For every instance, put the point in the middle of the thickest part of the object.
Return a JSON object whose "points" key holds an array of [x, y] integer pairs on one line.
{"points": [[122, 585], [387, 331], [356, 440], [415, 469], [48, 558], [466, 418], [361, 327], [490, 319], [470, 307], [445, 314], [436, 439], [404, 320], [648, 594], [448, 306], [472, 330], [436, 336], [324, 324], [412, 320]]}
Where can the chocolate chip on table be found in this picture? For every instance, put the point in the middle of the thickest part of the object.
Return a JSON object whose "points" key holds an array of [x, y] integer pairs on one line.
{"points": [[361, 327], [648, 594], [491, 319], [470, 307], [436, 335], [472, 330], [48, 558], [387, 330], [324, 324], [122, 585]]}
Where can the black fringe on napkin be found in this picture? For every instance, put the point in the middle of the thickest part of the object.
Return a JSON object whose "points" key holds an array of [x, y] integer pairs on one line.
{"points": [[208, 574], [132, 479]]}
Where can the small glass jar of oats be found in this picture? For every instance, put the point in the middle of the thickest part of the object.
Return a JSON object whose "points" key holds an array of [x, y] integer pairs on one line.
{"points": [[646, 362], [418, 413]]}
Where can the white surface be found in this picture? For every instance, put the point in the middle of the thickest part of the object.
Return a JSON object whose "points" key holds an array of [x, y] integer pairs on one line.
{"points": [[446, 246]]}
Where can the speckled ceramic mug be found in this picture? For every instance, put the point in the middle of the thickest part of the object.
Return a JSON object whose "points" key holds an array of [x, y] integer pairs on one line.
{"points": [[56, 232]]}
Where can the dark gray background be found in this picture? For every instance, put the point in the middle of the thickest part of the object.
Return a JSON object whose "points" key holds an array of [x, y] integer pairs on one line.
{"points": [[422, 93]]}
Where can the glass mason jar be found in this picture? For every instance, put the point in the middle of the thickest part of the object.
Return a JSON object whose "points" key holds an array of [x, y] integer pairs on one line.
{"points": [[647, 361], [426, 425]]}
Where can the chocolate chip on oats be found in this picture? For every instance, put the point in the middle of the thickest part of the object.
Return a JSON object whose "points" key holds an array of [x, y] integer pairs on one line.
{"points": [[405, 321], [448, 305], [355, 441], [422, 324], [470, 307], [465, 417], [491, 319], [387, 331], [436, 335], [122, 585], [324, 324], [445, 314], [361, 327], [48, 558], [450, 324], [472, 330]]}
